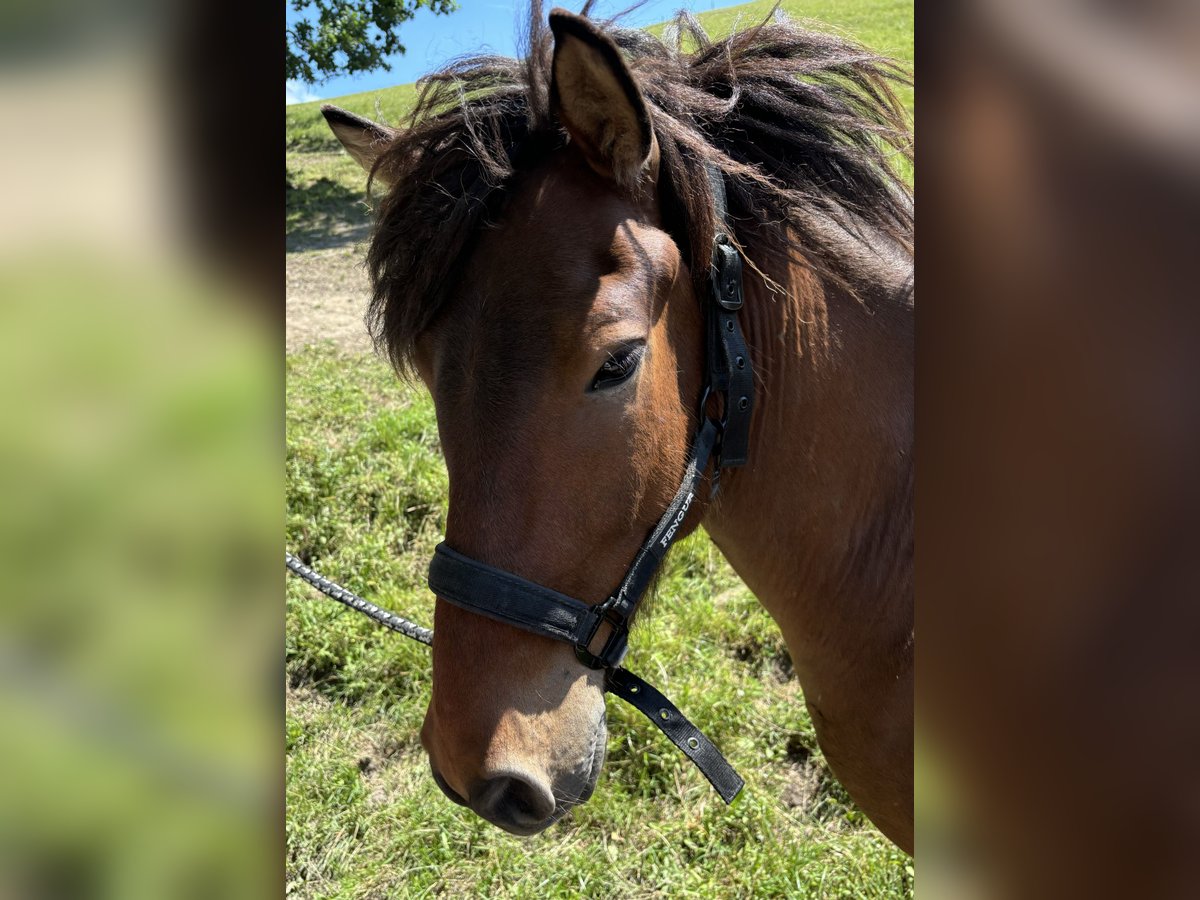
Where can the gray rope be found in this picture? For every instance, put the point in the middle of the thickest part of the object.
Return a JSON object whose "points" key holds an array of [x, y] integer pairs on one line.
{"points": [[341, 595]]}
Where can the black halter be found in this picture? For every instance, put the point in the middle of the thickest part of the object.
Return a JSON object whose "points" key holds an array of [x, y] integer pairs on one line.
{"points": [[500, 595]]}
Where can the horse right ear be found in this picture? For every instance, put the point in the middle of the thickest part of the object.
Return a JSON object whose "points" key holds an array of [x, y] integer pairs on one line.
{"points": [[597, 100], [363, 139]]}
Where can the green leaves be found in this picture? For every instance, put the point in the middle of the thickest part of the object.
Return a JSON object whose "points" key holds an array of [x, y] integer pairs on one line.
{"points": [[343, 37]]}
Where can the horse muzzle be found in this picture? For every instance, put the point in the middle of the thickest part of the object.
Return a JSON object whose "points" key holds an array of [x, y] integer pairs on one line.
{"points": [[524, 802]]}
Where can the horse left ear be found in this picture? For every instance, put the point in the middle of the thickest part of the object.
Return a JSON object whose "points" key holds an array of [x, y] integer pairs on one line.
{"points": [[595, 97], [363, 139]]}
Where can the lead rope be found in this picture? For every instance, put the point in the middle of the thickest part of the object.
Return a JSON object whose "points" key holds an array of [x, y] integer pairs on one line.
{"points": [[621, 682], [335, 591]]}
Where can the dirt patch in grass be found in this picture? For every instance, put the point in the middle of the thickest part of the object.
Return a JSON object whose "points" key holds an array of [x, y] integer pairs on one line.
{"points": [[389, 768], [327, 294], [803, 788], [768, 659], [303, 703], [328, 225]]}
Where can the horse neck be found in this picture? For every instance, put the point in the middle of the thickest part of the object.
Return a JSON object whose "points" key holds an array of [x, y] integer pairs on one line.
{"points": [[819, 522]]}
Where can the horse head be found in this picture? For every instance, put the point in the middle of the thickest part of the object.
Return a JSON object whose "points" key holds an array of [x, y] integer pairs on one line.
{"points": [[565, 366]]}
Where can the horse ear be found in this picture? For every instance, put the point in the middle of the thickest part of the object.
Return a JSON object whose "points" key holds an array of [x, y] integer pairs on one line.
{"points": [[363, 139], [596, 99]]}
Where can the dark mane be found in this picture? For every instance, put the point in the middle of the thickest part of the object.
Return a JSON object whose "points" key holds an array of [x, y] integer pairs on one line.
{"points": [[804, 124]]}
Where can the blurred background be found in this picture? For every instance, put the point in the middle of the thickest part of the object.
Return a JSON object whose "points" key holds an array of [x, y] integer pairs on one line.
{"points": [[140, 299], [141, 289], [1059, 425]]}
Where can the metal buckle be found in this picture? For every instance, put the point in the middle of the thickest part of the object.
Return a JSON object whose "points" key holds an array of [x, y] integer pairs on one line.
{"points": [[727, 285], [615, 644]]}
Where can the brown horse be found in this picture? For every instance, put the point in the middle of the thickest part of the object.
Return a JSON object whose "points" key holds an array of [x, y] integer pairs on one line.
{"points": [[538, 260]]}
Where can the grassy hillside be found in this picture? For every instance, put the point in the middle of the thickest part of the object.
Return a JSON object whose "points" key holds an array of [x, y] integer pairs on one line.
{"points": [[325, 185], [883, 25], [306, 129], [366, 502]]}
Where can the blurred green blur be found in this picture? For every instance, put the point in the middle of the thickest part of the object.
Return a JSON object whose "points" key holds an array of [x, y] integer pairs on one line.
{"points": [[140, 482], [140, 442]]}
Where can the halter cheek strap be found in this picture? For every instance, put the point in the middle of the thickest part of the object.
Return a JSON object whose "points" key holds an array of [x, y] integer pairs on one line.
{"points": [[600, 633], [729, 368]]}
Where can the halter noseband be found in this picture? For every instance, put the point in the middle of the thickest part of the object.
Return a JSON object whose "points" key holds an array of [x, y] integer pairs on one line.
{"points": [[508, 598]]}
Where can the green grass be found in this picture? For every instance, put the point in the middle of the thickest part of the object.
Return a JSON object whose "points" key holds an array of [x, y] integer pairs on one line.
{"points": [[885, 26], [366, 503], [366, 494], [325, 192]]}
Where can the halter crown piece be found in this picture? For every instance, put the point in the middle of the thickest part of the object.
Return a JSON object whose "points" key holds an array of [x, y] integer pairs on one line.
{"points": [[505, 597]]}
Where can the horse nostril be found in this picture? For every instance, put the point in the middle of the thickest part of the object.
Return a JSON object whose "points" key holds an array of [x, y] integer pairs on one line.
{"points": [[513, 802]]}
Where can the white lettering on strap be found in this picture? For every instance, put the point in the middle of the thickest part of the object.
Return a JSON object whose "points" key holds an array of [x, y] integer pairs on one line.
{"points": [[666, 538]]}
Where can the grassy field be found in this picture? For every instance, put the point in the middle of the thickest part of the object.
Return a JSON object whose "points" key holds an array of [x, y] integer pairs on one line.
{"points": [[366, 492]]}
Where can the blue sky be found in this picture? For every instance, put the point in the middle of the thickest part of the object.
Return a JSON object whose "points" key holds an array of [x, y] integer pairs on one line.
{"points": [[492, 24]]}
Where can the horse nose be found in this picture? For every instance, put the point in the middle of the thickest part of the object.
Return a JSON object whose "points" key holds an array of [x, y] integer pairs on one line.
{"points": [[515, 802], [446, 789]]}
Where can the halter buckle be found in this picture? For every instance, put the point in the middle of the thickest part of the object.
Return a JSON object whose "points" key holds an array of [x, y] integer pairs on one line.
{"points": [[727, 285], [615, 644]]}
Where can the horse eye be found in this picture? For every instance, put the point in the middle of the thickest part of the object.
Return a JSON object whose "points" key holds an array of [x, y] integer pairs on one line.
{"points": [[618, 367]]}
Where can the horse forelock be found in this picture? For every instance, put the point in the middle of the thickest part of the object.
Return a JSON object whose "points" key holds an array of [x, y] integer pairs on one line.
{"points": [[804, 125]]}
